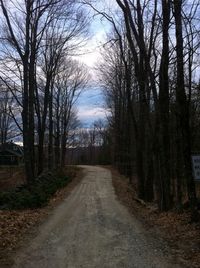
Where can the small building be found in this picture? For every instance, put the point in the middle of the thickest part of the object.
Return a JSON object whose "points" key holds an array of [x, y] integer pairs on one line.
{"points": [[11, 154]]}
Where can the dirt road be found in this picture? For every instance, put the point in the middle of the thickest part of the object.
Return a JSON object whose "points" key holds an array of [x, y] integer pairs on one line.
{"points": [[92, 229]]}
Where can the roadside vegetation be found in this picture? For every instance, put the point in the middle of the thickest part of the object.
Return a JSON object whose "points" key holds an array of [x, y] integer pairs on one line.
{"points": [[18, 222], [41, 79], [34, 195], [149, 74], [40, 82], [182, 236]]}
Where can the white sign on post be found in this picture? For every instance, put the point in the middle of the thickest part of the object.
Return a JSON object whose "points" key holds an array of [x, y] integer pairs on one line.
{"points": [[196, 166]]}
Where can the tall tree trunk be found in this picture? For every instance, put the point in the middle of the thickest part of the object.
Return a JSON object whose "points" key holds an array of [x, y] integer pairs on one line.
{"points": [[40, 152], [165, 202], [183, 109], [65, 122], [50, 145], [42, 123], [31, 112], [57, 143], [26, 98]]}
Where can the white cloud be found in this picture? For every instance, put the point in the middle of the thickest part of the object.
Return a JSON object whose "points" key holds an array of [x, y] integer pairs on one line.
{"points": [[92, 49], [86, 114]]}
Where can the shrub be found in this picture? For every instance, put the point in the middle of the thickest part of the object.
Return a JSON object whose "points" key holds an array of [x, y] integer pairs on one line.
{"points": [[35, 195]]}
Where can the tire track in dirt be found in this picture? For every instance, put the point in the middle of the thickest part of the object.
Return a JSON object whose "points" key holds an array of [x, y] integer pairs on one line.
{"points": [[92, 229]]}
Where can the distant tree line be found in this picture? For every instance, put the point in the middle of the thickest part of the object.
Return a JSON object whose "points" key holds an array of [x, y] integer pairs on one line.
{"points": [[39, 79], [89, 146], [150, 77]]}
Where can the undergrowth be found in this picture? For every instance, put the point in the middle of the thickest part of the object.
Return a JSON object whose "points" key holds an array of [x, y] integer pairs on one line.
{"points": [[34, 195]]}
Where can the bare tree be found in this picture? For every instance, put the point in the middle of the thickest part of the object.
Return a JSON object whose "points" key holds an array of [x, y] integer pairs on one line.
{"points": [[183, 108], [40, 31], [23, 33], [65, 34], [142, 74], [69, 83]]}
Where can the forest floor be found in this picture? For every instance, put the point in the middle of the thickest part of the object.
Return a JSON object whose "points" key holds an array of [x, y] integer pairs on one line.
{"points": [[182, 236], [15, 225]]}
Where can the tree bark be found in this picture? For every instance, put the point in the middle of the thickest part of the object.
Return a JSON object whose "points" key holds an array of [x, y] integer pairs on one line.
{"points": [[183, 109], [166, 200]]}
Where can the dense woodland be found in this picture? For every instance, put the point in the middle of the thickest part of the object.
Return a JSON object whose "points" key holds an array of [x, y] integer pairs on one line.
{"points": [[150, 77], [149, 74]]}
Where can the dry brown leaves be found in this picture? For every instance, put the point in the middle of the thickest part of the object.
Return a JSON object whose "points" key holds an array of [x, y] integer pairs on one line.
{"points": [[182, 236], [14, 223], [13, 227]]}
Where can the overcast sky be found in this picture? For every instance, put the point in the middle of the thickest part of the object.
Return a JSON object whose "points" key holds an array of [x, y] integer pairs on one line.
{"points": [[90, 102], [90, 105]]}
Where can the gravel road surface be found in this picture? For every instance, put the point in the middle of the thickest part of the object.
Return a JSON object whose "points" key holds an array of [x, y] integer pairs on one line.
{"points": [[92, 229]]}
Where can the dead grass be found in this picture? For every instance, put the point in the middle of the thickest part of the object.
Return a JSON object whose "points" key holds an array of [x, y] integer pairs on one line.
{"points": [[182, 236]]}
